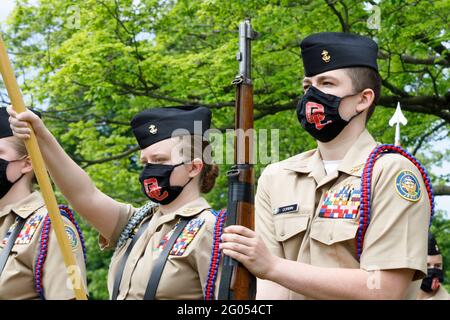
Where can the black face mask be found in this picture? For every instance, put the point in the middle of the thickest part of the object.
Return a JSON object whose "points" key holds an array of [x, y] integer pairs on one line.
{"points": [[318, 114], [5, 184], [427, 282], [155, 182]]}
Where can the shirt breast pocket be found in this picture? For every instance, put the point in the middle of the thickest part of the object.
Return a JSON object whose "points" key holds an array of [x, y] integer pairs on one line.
{"points": [[289, 231], [333, 242]]}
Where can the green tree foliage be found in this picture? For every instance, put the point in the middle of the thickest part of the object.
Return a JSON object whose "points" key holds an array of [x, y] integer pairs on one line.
{"points": [[92, 64]]}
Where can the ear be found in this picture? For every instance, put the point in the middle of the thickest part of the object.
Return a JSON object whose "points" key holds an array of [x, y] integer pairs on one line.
{"points": [[27, 167], [365, 100], [195, 167]]}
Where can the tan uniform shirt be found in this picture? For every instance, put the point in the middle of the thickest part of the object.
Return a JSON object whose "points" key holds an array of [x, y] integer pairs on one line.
{"points": [[441, 294], [17, 279], [292, 193], [185, 273]]}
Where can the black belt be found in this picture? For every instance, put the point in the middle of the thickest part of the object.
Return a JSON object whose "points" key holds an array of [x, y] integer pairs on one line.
{"points": [[124, 259], [10, 244], [158, 268]]}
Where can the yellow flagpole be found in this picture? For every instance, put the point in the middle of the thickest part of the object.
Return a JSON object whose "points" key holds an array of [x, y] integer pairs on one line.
{"points": [[41, 174]]}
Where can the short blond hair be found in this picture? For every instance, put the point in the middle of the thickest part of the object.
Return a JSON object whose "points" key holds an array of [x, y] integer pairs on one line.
{"points": [[18, 145], [21, 150], [194, 146]]}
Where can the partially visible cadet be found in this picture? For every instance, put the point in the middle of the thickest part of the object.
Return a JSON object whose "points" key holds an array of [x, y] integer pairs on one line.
{"points": [[167, 249], [431, 287], [31, 264], [348, 220]]}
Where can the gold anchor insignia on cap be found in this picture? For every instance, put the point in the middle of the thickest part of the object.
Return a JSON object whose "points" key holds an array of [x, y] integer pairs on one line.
{"points": [[326, 56], [153, 129]]}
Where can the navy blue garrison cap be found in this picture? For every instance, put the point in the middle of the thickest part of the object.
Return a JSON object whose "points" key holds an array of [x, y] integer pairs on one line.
{"points": [[153, 125], [433, 249], [328, 51]]}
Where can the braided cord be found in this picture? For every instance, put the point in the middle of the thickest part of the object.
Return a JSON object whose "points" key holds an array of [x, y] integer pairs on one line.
{"points": [[215, 255], [366, 182], [43, 247], [134, 221]]}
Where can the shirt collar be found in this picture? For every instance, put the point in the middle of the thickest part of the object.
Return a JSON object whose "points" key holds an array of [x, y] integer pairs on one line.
{"points": [[356, 157], [300, 162], [353, 163], [188, 210], [25, 207]]}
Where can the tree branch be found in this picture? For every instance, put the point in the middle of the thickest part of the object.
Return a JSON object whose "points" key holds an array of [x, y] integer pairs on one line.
{"points": [[438, 106], [393, 89], [441, 190], [426, 135], [127, 89], [384, 55], [344, 26], [99, 120], [124, 154]]}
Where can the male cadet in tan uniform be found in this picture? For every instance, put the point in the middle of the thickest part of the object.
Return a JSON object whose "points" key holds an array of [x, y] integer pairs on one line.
{"points": [[34, 267], [431, 287], [307, 207]]}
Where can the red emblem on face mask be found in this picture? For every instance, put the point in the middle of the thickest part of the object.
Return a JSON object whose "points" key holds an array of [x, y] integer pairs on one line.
{"points": [[315, 114], [153, 190], [435, 284]]}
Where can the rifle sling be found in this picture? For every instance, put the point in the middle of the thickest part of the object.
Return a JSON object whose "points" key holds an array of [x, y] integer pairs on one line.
{"points": [[242, 192], [10, 244], [158, 268], [123, 261], [228, 263]]}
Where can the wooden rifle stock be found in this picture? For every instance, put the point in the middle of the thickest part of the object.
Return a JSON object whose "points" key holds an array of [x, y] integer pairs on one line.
{"points": [[237, 283]]}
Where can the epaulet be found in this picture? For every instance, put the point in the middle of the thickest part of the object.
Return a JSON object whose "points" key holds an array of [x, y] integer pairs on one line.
{"points": [[215, 254], [366, 181], [43, 246], [135, 220]]}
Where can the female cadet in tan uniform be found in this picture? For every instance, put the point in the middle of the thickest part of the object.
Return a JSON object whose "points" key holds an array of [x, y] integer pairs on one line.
{"points": [[31, 265], [165, 251]]}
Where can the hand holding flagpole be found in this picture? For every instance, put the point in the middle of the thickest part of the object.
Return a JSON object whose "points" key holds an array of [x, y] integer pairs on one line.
{"points": [[41, 175]]}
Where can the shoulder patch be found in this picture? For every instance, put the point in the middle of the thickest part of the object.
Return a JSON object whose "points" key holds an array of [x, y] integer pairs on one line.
{"points": [[184, 239], [72, 235], [407, 185], [29, 229]]}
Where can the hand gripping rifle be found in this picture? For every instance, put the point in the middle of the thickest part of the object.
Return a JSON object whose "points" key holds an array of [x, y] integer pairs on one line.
{"points": [[237, 283]]}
